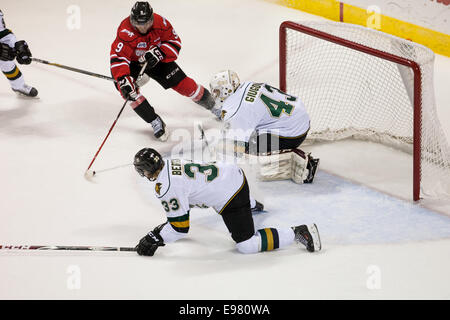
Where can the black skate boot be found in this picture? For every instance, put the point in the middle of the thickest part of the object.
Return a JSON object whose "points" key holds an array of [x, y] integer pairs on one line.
{"points": [[27, 91], [159, 129], [312, 166], [308, 236], [259, 207]]}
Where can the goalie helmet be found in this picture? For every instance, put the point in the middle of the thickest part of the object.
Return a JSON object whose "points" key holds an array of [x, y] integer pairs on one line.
{"points": [[148, 162], [141, 16], [224, 84]]}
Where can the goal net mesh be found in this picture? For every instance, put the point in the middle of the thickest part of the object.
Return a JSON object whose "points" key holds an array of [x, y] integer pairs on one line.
{"points": [[349, 93]]}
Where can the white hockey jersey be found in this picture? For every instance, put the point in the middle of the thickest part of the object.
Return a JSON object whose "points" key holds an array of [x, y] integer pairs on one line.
{"points": [[260, 107], [182, 185], [6, 36]]}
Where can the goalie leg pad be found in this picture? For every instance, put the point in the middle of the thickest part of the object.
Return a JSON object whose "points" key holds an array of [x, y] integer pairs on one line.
{"points": [[274, 166], [304, 166], [293, 164], [299, 171]]}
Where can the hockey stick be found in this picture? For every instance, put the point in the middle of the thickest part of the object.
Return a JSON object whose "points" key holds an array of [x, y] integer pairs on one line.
{"points": [[90, 173], [74, 69], [66, 248], [205, 139]]}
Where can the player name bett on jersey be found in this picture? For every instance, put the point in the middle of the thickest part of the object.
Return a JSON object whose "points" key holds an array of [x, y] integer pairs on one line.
{"points": [[226, 309]]}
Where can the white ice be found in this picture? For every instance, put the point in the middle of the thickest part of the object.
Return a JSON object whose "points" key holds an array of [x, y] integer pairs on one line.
{"points": [[361, 198]]}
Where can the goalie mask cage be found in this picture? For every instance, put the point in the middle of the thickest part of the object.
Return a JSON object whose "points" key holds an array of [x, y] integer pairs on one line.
{"points": [[362, 83]]}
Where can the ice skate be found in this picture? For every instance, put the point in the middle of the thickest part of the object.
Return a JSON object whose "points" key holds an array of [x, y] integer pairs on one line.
{"points": [[159, 129], [312, 166], [308, 236], [259, 207], [27, 90]]}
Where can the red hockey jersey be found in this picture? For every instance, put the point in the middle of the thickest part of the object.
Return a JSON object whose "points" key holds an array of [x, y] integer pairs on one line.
{"points": [[129, 44]]}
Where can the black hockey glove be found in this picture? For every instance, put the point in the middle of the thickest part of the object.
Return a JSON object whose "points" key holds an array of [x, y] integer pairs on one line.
{"points": [[23, 52], [148, 244], [152, 56], [6, 52], [127, 88]]}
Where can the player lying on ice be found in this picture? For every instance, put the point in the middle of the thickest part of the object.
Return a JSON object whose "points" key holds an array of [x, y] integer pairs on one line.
{"points": [[181, 185], [11, 49], [142, 37], [262, 120]]}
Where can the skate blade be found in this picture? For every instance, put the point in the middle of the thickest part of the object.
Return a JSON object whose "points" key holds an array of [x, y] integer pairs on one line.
{"points": [[316, 237], [25, 96], [164, 137]]}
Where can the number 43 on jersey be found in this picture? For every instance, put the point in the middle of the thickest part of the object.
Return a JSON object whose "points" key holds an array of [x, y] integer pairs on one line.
{"points": [[277, 107]]}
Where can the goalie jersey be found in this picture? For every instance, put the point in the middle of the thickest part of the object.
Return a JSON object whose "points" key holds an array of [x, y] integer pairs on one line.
{"points": [[265, 109], [182, 185]]}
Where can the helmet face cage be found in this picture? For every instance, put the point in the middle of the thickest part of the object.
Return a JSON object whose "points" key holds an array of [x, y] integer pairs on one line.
{"points": [[224, 84], [147, 162]]}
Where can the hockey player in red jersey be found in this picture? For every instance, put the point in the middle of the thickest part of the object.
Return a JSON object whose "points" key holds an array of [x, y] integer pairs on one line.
{"points": [[142, 37]]}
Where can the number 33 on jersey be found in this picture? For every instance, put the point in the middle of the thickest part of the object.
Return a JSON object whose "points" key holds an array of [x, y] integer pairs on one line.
{"points": [[183, 184]]}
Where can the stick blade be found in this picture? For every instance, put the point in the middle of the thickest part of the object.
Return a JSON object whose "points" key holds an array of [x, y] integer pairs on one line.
{"points": [[89, 175]]}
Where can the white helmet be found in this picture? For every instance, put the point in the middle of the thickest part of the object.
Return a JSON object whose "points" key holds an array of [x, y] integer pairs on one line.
{"points": [[224, 84]]}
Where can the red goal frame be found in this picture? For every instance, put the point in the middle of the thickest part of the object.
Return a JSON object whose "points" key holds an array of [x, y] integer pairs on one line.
{"points": [[374, 52]]}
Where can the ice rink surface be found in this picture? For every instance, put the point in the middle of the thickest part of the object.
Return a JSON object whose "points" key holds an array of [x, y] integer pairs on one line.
{"points": [[377, 243]]}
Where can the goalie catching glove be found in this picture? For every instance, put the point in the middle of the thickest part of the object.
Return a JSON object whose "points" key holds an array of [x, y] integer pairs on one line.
{"points": [[127, 88], [148, 244], [152, 56], [23, 52]]}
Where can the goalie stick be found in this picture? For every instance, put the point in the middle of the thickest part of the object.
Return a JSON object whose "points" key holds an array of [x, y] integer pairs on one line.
{"points": [[204, 138], [65, 248]]}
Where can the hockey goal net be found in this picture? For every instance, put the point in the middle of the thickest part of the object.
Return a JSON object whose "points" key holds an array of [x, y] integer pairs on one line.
{"points": [[365, 84]]}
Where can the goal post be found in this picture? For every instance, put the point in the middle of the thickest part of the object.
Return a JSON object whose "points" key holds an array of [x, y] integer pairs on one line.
{"points": [[362, 83]]}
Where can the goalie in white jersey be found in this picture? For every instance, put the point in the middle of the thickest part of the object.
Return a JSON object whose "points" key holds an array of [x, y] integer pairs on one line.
{"points": [[181, 185], [262, 120]]}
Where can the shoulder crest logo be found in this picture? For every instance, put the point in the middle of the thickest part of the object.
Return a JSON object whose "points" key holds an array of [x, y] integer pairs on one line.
{"points": [[158, 188], [222, 114], [130, 34]]}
